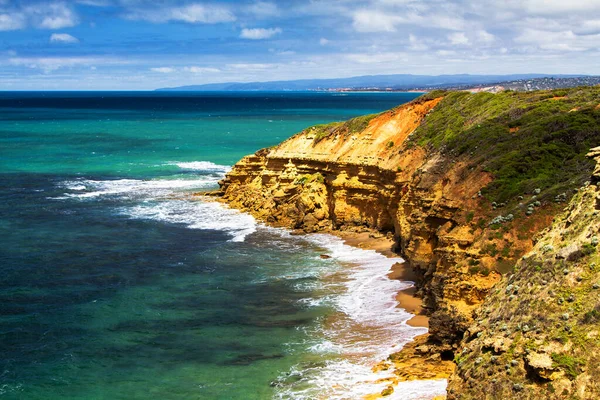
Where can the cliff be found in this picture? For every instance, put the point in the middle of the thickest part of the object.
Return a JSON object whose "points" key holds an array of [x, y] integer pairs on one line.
{"points": [[537, 335], [461, 181]]}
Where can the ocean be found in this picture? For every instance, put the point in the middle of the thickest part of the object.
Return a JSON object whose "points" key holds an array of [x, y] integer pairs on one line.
{"points": [[116, 284]]}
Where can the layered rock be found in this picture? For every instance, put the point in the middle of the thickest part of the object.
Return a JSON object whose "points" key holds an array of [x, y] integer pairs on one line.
{"points": [[373, 179], [453, 178]]}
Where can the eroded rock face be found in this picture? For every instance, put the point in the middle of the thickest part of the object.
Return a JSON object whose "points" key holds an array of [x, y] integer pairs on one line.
{"points": [[374, 179], [538, 331]]}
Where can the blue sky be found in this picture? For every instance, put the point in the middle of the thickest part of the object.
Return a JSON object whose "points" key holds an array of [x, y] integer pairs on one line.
{"points": [[139, 44]]}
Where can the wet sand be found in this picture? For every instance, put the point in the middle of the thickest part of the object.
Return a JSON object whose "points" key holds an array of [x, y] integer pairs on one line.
{"points": [[383, 245]]}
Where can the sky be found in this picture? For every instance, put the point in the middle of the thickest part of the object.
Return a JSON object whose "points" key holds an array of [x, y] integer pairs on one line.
{"points": [[143, 45]]}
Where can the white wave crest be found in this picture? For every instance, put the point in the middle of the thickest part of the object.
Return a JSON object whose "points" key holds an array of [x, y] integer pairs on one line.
{"points": [[201, 166], [367, 330], [196, 215], [135, 188]]}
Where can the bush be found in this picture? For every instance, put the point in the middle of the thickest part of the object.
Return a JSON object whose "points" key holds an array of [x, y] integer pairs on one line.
{"points": [[571, 365], [548, 152]]}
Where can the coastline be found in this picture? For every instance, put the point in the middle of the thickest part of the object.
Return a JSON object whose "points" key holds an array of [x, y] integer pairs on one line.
{"points": [[406, 298], [409, 364]]}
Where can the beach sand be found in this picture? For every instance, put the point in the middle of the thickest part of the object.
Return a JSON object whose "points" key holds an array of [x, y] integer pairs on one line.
{"points": [[383, 245]]}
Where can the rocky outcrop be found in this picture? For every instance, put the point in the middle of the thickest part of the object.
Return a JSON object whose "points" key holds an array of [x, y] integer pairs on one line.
{"points": [[427, 173], [537, 335], [372, 179]]}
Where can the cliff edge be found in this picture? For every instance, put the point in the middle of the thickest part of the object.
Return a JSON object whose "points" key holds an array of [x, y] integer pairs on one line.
{"points": [[463, 182], [537, 335]]}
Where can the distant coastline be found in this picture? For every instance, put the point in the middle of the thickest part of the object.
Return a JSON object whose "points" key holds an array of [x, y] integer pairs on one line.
{"points": [[404, 83]]}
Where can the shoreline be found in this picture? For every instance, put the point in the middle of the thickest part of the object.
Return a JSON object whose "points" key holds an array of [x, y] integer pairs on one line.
{"points": [[406, 298]]}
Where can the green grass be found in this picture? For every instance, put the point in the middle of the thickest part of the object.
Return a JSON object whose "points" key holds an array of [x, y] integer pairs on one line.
{"points": [[545, 149], [349, 127], [571, 365]]}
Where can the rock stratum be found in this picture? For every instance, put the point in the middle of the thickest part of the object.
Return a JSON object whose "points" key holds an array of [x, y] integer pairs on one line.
{"points": [[463, 182]]}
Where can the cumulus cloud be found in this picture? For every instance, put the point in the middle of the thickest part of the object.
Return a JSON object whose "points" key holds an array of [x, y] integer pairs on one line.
{"points": [[259, 33], [323, 41], [195, 13], [374, 21], [63, 38]]}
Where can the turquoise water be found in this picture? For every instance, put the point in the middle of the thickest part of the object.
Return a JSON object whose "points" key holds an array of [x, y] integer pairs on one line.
{"points": [[115, 284]]}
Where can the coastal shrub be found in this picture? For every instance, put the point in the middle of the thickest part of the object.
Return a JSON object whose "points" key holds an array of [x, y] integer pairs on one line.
{"points": [[547, 151], [351, 126], [304, 179], [592, 316], [323, 130], [571, 365], [469, 216]]}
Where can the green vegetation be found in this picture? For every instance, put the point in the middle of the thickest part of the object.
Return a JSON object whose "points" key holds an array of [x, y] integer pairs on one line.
{"points": [[469, 216], [571, 365], [525, 140], [304, 179], [349, 127]]}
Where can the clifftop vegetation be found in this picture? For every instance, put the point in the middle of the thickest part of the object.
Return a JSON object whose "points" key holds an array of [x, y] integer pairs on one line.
{"points": [[526, 140]]}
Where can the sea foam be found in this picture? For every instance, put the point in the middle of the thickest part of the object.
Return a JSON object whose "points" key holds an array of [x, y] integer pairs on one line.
{"points": [[196, 215], [368, 328], [201, 166], [167, 199]]}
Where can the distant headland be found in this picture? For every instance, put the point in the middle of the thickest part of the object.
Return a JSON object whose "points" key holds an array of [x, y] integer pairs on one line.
{"points": [[407, 82]]}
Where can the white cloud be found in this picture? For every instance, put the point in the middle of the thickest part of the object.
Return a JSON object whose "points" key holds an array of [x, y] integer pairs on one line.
{"points": [[458, 39], [323, 41], [485, 37], [417, 44], [263, 9], [191, 13], [559, 41], [11, 22], [63, 38], [51, 15], [42, 15], [50, 64], [374, 58], [259, 33], [201, 70], [374, 21], [163, 70], [556, 6], [252, 66]]}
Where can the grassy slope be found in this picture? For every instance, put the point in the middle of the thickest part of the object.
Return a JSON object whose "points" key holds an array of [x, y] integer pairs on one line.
{"points": [[525, 140]]}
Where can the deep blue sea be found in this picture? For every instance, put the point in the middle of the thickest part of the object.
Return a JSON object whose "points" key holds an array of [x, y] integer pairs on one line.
{"points": [[116, 284]]}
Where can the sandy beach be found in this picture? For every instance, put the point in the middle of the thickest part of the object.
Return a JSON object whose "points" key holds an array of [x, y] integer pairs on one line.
{"points": [[383, 245]]}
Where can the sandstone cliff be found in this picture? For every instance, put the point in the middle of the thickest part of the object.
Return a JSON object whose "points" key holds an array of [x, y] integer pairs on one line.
{"points": [[538, 334], [461, 181]]}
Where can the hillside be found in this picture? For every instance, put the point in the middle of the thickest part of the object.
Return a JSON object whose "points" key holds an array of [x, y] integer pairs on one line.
{"points": [[536, 335], [462, 181], [397, 82]]}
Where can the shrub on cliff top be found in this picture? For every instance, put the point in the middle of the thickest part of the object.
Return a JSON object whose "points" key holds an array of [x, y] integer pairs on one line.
{"points": [[525, 140], [349, 127]]}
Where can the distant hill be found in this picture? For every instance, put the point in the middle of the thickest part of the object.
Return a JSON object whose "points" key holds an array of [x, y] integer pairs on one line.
{"points": [[378, 82]]}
